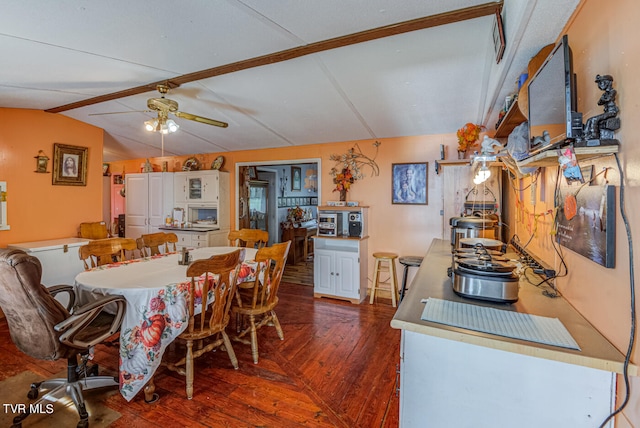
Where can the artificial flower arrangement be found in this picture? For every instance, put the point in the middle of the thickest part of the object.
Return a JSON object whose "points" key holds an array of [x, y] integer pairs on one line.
{"points": [[295, 214], [468, 136], [349, 167], [343, 180]]}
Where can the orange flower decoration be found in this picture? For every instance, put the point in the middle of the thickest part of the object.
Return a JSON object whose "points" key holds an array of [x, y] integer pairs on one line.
{"points": [[468, 136], [343, 180]]}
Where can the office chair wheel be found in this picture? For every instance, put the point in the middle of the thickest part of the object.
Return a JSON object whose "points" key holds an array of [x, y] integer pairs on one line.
{"points": [[33, 393]]}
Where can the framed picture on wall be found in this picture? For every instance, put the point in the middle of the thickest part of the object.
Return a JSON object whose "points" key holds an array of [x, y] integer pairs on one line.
{"points": [[498, 37], [253, 173], [69, 165], [409, 183], [296, 178]]}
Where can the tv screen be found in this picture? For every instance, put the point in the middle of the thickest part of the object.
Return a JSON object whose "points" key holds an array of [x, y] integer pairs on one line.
{"points": [[552, 101]]}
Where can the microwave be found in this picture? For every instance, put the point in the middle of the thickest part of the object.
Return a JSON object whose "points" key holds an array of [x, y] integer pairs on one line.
{"points": [[201, 215], [329, 224]]}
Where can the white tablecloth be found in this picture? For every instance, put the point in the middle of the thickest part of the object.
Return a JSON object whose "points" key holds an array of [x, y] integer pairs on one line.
{"points": [[155, 289]]}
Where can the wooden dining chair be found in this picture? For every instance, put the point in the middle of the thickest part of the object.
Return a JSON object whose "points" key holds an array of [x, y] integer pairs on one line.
{"points": [[258, 303], [249, 238], [94, 230], [128, 248], [104, 251], [153, 242], [208, 326]]}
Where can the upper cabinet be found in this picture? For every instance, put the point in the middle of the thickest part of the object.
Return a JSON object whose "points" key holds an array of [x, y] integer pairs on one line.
{"points": [[197, 187]]}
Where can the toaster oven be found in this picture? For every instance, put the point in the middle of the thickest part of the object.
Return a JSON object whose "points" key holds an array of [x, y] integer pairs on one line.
{"points": [[329, 224]]}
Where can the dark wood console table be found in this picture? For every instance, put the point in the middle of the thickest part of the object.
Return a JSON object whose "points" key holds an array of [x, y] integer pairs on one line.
{"points": [[299, 233]]}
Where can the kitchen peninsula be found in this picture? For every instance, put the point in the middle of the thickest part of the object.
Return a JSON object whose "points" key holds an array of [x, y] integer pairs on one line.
{"points": [[452, 376]]}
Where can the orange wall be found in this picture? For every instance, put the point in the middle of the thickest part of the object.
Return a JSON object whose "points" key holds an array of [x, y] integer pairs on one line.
{"points": [[603, 36], [36, 209], [405, 229]]}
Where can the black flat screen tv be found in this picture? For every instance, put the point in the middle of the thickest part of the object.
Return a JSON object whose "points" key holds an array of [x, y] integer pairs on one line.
{"points": [[553, 119]]}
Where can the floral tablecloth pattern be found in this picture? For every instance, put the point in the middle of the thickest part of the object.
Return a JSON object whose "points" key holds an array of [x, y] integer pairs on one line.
{"points": [[155, 314]]}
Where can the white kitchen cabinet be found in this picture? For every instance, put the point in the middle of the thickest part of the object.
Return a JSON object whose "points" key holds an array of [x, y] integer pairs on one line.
{"points": [[197, 187], [340, 268], [197, 239], [148, 200], [456, 377]]}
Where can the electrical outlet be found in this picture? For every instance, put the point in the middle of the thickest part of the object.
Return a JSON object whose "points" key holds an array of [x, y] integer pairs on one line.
{"points": [[530, 260]]}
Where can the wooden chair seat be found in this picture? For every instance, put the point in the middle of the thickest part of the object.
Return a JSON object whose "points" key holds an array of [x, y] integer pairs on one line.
{"points": [[257, 304]]}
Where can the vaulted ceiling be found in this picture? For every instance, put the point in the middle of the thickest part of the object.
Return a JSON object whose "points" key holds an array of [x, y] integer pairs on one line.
{"points": [[280, 72]]}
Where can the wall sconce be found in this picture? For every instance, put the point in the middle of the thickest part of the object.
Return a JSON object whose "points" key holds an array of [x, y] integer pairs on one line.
{"points": [[41, 162]]}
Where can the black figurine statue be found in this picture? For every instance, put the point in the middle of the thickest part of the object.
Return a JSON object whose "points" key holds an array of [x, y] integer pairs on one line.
{"points": [[601, 127]]}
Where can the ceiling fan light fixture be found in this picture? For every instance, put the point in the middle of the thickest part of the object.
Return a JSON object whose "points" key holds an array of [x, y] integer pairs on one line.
{"points": [[172, 126], [150, 125]]}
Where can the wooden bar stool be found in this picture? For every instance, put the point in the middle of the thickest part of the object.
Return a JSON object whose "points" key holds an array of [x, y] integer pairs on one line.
{"points": [[385, 262], [407, 262]]}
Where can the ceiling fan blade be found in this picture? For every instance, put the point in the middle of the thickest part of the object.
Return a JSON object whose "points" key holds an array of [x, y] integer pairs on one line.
{"points": [[200, 119], [120, 112]]}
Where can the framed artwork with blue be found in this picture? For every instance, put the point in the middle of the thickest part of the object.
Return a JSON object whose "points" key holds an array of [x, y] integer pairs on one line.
{"points": [[409, 183]]}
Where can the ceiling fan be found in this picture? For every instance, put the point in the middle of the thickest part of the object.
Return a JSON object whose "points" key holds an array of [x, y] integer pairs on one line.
{"points": [[165, 106]]}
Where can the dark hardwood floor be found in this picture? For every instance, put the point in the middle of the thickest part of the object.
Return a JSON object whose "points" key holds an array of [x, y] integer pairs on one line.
{"points": [[335, 368]]}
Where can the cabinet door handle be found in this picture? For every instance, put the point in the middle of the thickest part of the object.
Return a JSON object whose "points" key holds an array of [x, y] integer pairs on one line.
{"points": [[337, 273], [331, 273]]}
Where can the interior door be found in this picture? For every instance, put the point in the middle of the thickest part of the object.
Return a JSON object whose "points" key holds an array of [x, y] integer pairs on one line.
{"points": [[259, 205], [136, 205]]}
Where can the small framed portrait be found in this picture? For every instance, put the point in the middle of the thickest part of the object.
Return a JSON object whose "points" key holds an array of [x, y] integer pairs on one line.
{"points": [[69, 165], [409, 183], [296, 178]]}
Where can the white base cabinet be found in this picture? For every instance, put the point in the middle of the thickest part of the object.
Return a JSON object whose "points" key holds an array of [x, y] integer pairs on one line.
{"points": [[448, 383], [340, 268], [197, 239]]}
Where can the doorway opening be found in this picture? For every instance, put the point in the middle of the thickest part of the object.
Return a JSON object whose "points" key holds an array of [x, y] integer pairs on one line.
{"points": [[281, 197]]}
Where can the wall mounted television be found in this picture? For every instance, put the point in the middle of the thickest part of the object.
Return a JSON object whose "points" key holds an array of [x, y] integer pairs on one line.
{"points": [[553, 119]]}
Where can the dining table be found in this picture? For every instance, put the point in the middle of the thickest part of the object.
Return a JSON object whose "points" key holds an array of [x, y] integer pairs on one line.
{"points": [[156, 290]]}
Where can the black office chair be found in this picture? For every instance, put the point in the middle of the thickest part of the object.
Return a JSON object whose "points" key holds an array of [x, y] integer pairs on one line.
{"points": [[42, 328]]}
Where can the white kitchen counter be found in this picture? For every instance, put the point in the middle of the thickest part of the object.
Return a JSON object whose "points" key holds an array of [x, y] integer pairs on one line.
{"points": [[457, 377], [59, 259]]}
